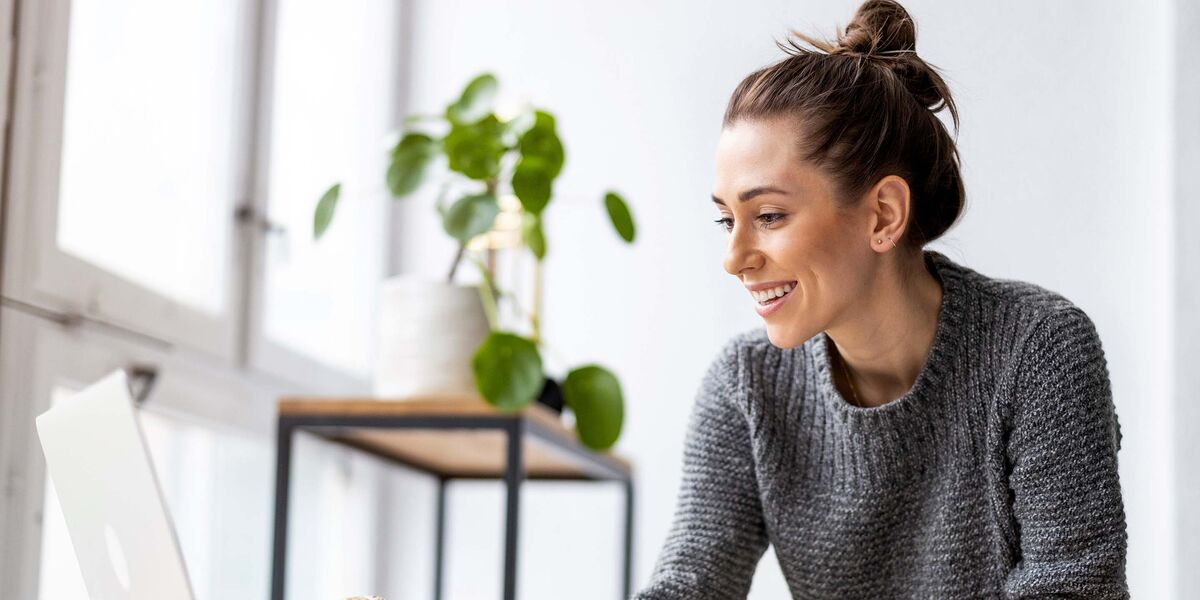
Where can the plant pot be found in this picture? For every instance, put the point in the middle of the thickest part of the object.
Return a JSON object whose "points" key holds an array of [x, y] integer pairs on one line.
{"points": [[428, 334]]}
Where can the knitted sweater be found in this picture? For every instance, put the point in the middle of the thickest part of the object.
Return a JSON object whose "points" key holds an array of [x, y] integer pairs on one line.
{"points": [[993, 476]]}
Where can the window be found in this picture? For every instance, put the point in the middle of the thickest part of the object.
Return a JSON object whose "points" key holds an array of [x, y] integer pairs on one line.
{"points": [[147, 180], [140, 131], [333, 110], [130, 123]]}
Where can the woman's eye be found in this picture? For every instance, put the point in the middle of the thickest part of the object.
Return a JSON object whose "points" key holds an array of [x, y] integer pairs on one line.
{"points": [[765, 219], [769, 218]]}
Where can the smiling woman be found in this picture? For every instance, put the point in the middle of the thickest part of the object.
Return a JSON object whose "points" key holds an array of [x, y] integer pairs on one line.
{"points": [[902, 426]]}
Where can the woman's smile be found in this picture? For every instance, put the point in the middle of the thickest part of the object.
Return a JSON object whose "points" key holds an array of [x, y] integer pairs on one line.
{"points": [[768, 300]]}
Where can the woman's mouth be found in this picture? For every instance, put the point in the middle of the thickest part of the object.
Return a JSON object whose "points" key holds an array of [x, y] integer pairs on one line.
{"points": [[769, 301]]}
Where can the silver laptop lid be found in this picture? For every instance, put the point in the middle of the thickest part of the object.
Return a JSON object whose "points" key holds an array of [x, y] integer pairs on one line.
{"points": [[111, 501]]}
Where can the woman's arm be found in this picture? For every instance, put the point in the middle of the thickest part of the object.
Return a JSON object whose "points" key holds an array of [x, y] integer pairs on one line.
{"points": [[718, 534], [1063, 453]]}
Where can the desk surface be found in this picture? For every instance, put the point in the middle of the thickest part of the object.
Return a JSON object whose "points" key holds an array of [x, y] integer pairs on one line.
{"points": [[549, 450]]}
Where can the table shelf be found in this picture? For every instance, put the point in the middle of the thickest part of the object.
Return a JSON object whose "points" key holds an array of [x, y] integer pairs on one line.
{"points": [[452, 448], [448, 437]]}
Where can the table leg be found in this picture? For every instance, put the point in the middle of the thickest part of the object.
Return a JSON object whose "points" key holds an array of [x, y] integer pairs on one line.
{"points": [[627, 574], [440, 539], [513, 473], [283, 467]]}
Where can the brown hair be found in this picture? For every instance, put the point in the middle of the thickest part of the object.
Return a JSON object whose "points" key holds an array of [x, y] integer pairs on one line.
{"points": [[865, 107]]}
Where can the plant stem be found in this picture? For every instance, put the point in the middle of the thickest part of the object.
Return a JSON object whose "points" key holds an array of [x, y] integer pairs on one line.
{"points": [[492, 184], [488, 297], [516, 305], [489, 291], [535, 317], [498, 292], [454, 265]]}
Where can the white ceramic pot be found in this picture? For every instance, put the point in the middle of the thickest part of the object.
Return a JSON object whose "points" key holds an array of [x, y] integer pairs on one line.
{"points": [[428, 333]]}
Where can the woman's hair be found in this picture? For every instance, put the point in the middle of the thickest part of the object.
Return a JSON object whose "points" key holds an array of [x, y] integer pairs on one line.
{"points": [[864, 108]]}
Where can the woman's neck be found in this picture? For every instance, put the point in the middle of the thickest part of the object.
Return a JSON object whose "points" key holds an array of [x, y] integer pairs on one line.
{"points": [[884, 342]]}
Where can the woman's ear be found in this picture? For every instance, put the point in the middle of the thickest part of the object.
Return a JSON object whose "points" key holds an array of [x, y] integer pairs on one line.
{"points": [[891, 202]]}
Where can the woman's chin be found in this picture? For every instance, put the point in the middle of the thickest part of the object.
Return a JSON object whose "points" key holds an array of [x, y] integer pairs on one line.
{"points": [[785, 337]]}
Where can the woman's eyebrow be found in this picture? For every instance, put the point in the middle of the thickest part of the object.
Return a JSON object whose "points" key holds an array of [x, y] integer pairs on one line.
{"points": [[752, 192]]}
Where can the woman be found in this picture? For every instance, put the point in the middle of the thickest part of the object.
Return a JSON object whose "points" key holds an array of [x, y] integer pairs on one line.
{"points": [[904, 426]]}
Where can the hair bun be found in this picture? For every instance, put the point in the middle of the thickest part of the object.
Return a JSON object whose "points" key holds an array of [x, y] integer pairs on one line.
{"points": [[878, 27], [882, 32]]}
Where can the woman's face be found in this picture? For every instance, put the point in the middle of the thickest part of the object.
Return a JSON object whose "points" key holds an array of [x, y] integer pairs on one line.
{"points": [[785, 229]]}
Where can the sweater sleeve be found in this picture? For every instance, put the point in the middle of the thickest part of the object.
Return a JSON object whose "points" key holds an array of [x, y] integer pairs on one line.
{"points": [[718, 534], [1066, 495]]}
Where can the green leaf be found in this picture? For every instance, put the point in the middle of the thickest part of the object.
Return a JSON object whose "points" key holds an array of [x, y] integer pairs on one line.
{"points": [[508, 371], [471, 216], [594, 395], [410, 162], [545, 120], [323, 216], [532, 182], [532, 235], [476, 101], [618, 213], [475, 149], [541, 141]]}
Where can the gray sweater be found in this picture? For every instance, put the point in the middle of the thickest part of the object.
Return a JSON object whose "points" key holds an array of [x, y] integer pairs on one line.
{"points": [[994, 476]]}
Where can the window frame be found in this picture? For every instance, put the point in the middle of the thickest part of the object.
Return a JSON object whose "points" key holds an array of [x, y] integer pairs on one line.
{"points": [[262, 353], [53, 329], [40, 274]]}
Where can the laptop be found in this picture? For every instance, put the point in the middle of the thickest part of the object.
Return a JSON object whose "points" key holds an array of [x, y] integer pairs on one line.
{"points": [[118, 522]]}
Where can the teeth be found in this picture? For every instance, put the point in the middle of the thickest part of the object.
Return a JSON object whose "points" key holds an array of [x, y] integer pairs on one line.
{"points": [[766, 295]]}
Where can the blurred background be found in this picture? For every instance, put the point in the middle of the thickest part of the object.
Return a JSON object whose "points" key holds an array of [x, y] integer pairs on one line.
{"points": [[162, 161]]}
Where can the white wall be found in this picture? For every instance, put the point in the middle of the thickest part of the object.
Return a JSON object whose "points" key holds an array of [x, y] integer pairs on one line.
{"points": [[1066, 144], [1186, 130]]}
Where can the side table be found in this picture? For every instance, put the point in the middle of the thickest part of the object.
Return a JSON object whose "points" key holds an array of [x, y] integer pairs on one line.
{"points": [[448, 437]]}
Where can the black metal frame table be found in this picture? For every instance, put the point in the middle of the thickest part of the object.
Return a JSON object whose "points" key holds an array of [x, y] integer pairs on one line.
{"points": [[458, 437]]}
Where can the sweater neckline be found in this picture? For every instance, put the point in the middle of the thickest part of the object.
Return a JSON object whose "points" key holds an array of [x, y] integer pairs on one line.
{"points": [[945, 343]]}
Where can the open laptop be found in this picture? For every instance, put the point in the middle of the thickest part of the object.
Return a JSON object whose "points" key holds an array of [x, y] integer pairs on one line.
{"points": [[110, 497]]}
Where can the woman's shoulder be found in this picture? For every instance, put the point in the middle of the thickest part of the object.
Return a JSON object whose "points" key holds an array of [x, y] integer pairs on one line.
{"points": [[1017, 324], [1042, 326], [1020, 306]]}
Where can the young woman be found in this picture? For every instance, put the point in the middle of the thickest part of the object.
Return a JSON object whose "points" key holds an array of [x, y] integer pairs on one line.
{"points": [[903, 426]]}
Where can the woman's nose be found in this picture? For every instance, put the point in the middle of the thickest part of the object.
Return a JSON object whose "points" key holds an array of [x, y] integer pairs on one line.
{"points": [[741, 254]]}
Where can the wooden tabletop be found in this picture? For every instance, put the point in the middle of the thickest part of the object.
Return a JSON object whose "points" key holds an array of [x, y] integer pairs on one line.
{"points": [[474, 453]]}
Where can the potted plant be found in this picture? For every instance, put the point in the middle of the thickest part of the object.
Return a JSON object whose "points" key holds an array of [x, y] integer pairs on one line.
{"points": [[490, 160]]}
